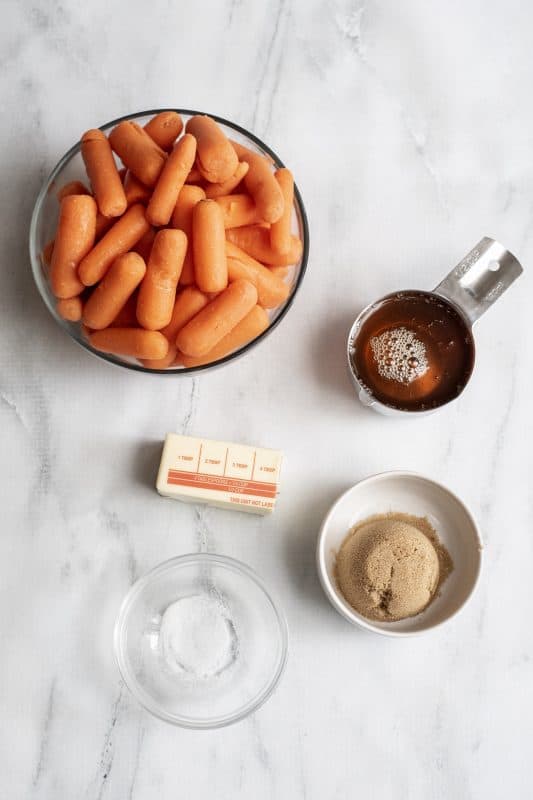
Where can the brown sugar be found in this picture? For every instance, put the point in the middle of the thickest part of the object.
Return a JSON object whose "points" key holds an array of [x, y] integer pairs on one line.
{"points": [[391, 566]]}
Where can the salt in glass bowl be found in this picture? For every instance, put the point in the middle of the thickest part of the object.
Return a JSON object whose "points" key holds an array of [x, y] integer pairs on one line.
{"points": [[261, 642]]}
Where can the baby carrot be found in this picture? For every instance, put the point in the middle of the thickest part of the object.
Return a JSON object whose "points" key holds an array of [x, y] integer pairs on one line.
{"points": [[171, 181], [134, 342], [237, 210], [46, 254], [73, 187], [103, 173], [70, 308], [217, 160], [208, 247], [182, 219], [136, 192], [279, 272], [124, 234], [144, 245], [262, 185], [161, 363], [127, 316], [74, 239], [188, 303], [164, 128], [243, 151], [158, 289], [255, 240], [226, 187], [271, 290], [102, 225], [194, 176], [111, 294], [138, 151], [217, 319], [280, 231], [249, 328]]}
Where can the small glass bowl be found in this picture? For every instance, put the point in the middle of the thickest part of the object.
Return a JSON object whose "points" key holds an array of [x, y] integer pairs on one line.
{"points": [[259, 655], [71, 168]]}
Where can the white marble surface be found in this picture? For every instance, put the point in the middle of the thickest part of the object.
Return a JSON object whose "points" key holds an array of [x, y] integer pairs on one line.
{"points": [[409, 128]]}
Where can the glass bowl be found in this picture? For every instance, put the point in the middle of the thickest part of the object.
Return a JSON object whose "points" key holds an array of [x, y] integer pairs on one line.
{"points": [[71, 167], [174, 690]]}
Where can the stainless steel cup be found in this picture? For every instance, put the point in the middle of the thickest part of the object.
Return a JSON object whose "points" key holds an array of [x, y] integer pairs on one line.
{"points": [[470, 289]]}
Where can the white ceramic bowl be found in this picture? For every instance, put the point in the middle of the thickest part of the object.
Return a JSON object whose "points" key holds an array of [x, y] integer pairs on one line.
{"points": [[408, 493]]}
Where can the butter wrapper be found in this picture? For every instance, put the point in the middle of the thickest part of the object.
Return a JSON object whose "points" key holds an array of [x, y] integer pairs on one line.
{"points": [[221, 474]]}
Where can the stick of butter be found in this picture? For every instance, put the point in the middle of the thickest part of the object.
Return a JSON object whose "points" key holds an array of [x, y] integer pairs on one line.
{"points": [[219, 473]]}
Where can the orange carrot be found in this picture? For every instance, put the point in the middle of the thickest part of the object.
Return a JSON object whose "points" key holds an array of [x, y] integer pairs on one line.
{"points": [[171, 181], [70, 309], [113, 291], [194, 176], [138, 151], [136, 192], [46, 255], [161, 363], [243, 151], [262, 185], [127, 316], [74, 187], [255, 240], [164, 128], [188, 303], [102, 225], [220, 189], [271, 290], [280, 232], [124, 234], [249, 328], [144, 245], [103, 173], [209, 253], [158, 289], [182, 219], [74, 239], [279, 272], [217, 160], [134, 342], [237, 210], [217, 319]]}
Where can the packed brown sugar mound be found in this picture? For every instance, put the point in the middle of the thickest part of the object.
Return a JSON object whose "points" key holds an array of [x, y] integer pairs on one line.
{"points": [[391, 566]]}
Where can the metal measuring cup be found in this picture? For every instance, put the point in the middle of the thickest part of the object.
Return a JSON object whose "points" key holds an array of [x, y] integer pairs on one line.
{"points": [[470, 289]]}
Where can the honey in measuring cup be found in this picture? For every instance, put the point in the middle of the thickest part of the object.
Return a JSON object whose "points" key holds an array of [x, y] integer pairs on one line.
{"points": [[413, 352]]}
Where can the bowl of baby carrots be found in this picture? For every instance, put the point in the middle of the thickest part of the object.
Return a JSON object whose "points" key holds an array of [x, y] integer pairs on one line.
{"points": [[169, 241]]}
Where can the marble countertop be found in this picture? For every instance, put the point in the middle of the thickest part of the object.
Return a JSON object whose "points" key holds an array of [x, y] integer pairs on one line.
{"points": [[409, 129]]}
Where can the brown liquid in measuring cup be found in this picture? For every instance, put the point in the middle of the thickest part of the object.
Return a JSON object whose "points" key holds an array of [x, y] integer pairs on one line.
{"points": [[413, 351]]}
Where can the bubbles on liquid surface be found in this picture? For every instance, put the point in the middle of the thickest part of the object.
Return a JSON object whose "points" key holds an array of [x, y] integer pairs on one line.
{"points": [[399, 355]]}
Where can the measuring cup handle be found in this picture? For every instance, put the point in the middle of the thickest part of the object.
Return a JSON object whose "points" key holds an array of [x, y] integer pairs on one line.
{"points": [[480, 278]]}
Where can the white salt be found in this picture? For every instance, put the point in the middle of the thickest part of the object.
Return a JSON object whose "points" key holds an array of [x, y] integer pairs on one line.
{"points": [[196, 638]]}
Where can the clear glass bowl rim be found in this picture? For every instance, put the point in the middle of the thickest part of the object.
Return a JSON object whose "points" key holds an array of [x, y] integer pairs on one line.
{"points": [[143, 697], [36, 266]]}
